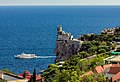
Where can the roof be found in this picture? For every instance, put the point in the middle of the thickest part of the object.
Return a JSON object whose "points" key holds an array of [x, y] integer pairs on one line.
{"points": [[109, 70], [99, 69], [28, 75], [107, 66], [114, 70], [38, 77], [88, 73], [11, 77], [115, 77], [115, 53], [27, 72], [115, 65], [113, 58]]}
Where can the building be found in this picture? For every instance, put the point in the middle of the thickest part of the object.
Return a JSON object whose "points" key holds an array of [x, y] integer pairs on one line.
{"points": [[66, 45], [115, 59], [88, 73], [110, 71], [109, 31], [61, 35], [26, 74], [9, 77]]}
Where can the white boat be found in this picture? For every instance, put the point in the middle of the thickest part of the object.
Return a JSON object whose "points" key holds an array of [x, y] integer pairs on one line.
{"points": [[26, 56]]}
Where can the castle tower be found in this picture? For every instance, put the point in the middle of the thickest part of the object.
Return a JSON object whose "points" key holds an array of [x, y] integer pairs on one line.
{"points": [[61, 35], [59, 30]]}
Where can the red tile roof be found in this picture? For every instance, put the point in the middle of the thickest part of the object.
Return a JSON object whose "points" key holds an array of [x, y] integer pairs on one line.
{"points": [[28, 75], [27, 72], [99, 69], [115, 77], [107, 66], [114, 70], [38, 77], [115, 65], [88, 73]]}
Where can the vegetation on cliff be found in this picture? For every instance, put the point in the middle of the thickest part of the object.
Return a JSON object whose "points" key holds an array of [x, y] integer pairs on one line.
{"points": [[71, 70], [94, 49], [94, 78]]}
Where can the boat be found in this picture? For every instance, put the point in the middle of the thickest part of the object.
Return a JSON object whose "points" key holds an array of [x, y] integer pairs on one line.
{"points": [[26, 56]]}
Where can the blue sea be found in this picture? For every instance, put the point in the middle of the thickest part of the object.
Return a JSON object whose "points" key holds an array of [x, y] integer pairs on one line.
{"points": [[32, 29]]}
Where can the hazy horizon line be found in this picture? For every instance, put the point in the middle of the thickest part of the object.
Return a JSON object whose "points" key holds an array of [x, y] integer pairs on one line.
{"points": [[58, 5]]}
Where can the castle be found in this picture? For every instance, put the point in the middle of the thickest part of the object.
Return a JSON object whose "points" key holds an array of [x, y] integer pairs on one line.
{"points": [[66, 45]]}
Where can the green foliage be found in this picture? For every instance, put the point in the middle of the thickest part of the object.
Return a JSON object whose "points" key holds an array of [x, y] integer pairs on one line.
{"points": [[33, 77], [83, 54], [7, 70], [94, 78], [71, 69], [101, 51], [95, 47], [92, 50], [66, 76], [2, 80], [98, 45]]}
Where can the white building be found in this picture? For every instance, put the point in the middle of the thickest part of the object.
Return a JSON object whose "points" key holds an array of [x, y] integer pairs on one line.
{"points": [[61, 35]]}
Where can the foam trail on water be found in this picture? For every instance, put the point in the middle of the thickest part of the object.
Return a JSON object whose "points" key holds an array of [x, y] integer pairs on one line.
{"points": [[46, 56]]}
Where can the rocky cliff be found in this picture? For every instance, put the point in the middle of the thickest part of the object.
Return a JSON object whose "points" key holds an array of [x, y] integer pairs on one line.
{"points": [[66, 45]]}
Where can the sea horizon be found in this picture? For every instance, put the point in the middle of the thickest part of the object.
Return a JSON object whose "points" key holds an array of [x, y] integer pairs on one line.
{"points": [[54, 5], [33, 30]]}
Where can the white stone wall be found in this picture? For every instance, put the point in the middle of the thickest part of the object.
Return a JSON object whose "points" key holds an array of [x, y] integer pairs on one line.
{"points": [[63, 37]]}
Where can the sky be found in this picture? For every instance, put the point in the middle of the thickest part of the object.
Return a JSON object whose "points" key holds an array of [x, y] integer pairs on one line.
{"points": [[59, 2]]}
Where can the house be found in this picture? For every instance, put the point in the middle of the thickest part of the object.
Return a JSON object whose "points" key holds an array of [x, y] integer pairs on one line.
{"points": [[110, 71], [116, 78], [115, 59], [98, 69], [26, 74], [9, 77]]}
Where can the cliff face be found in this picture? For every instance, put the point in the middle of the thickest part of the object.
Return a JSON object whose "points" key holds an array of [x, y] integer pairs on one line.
{"points": [[66, 45]]}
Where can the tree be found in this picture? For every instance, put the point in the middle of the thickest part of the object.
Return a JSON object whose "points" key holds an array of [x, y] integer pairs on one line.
{"points": [[34, 76], [84, 54], [66, 76], [94, 78], [31, 79], [2, 80], [101, 51], [7, 70], [92, 50]]}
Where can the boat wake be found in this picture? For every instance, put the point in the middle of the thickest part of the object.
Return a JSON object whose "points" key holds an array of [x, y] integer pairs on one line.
{"points": [[46, 56], [31, 56]]}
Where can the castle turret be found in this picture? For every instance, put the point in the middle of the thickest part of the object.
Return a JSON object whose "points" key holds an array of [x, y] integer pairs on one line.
{"points": [[59, 30], [61, 35]]}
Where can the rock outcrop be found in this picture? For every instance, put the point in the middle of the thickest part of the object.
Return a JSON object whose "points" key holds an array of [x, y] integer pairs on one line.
{"points": [[66, 45]]}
